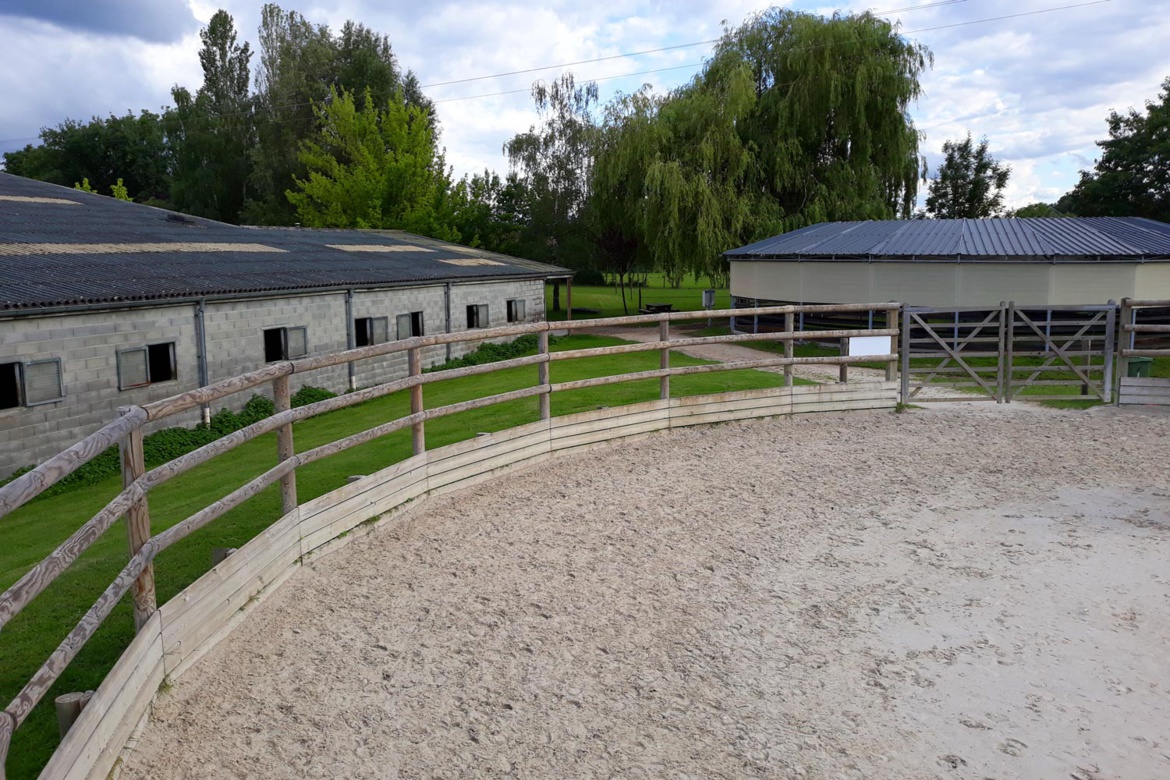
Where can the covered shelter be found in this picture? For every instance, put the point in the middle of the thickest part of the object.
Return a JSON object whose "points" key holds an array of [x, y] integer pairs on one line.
{"points": [[943, 263]]}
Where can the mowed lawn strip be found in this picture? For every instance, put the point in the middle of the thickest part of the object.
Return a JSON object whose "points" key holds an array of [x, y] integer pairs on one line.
{"points": [[607, 300], [33, 531]]}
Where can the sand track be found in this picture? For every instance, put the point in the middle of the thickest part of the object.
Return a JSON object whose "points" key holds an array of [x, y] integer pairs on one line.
{"points": [[955, 593]]}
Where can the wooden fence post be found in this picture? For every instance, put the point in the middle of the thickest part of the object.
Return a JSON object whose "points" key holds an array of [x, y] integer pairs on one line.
{"points": [[1107, 377], [1000, 374], [905, 355], [664, 360], [843, 369], [69, 707], [789, 345], [892, 324], [1009, 351], [282, 398], [543, 373], [418, 438], [1125, 341], [137, 524]]}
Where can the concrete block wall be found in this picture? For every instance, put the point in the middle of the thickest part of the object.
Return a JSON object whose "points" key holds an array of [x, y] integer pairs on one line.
{"points": [[87, 345], [430, 300], [235, 336]]}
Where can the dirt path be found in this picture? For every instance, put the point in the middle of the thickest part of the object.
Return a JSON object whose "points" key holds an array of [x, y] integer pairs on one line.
{"points": [[953, 594]]}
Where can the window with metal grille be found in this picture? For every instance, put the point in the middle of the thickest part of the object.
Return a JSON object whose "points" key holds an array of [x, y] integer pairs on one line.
{"points": [[516, 310], [371, 330], [477, 315], [410, 325], [285, 343], [42, 382], [147, 365]]}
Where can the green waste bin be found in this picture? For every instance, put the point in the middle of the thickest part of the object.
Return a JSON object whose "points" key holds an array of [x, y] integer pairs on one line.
{"points": [[1139, 366]]}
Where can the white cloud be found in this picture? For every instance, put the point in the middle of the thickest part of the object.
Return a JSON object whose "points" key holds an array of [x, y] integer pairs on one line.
{"points": [[1039, 87]]}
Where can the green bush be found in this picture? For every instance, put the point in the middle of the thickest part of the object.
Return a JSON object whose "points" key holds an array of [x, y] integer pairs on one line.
{"points": [[310, 395], [166, 445], [589, 277], [493, 353]]}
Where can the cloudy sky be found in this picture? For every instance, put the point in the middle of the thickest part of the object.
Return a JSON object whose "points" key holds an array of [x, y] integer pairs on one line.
{"points": [[1037, 77]]}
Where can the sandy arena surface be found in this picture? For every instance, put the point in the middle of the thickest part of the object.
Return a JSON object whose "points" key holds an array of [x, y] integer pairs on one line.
{"points": [[952, 593]]}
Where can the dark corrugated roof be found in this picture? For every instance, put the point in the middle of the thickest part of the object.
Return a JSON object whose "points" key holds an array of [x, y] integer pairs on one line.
{"points": [[32, 278], [1048, 239]]}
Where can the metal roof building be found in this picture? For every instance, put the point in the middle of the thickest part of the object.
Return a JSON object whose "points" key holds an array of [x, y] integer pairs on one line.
{"points": [[106, 304], [62, 248], [961, 262]]}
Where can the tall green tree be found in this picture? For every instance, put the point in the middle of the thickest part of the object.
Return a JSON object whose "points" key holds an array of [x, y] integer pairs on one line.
{"points": [[373, 167], [796, 119], [211, 133], [830, 128], [300, 63], [553, 160], [969, 183], [1132, 177], [131, 147], [490, 212]]}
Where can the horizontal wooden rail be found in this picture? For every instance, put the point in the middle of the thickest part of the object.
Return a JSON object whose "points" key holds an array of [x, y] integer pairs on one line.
{"points": [[28, 486]]}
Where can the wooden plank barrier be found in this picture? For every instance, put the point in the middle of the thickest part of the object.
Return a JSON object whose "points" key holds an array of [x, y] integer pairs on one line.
{"points": [[172, 637], [1154, 391]]}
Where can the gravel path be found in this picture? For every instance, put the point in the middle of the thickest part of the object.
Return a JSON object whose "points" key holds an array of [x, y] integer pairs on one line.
{"points": [[945, 593], [728, 353]]}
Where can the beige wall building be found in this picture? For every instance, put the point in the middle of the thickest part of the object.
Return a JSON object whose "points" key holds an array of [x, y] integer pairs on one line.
{"points": [[951, 263]]}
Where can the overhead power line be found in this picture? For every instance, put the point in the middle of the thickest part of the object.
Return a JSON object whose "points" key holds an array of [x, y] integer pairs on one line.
{"points": [[623, 55], [685, 45], [805, 48]]}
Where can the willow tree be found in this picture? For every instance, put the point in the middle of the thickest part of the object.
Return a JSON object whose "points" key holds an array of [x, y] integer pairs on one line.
{"points": [[830, 130], [796, 119]]}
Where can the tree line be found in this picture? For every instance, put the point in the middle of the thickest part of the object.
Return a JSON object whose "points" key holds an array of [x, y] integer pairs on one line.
{"points": [[795, 119]]}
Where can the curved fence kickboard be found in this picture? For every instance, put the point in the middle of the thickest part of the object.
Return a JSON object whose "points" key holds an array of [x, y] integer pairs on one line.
{"points": [[194, 621]]}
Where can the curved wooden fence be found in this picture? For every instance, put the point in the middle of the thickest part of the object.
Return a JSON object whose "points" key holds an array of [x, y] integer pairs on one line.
{"points": [[169, 638]]}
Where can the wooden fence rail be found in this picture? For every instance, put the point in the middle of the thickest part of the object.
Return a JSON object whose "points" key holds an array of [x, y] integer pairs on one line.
{"points": [[127, 430]]}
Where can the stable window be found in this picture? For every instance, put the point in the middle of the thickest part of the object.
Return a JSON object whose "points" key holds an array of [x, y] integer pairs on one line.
{"points": [[146, 365], [410, 325], [29, 384], [285, 343], [368, 331], [477, 315], [516, 310], [42, 382]]}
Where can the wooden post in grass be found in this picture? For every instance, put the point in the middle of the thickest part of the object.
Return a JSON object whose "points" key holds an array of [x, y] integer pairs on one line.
{"points": [[69, 707], [664, 360], [789, 345], [843, 369], [543, 374], [137, 523], [285, 449], [418, 438]]}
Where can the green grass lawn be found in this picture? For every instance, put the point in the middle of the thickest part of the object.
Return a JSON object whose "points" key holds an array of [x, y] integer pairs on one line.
{"points": [[34, 530], [608, 300]]}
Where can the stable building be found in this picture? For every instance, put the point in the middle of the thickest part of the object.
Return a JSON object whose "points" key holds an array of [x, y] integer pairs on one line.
{"points": [[947, 263], [105, 304]]}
